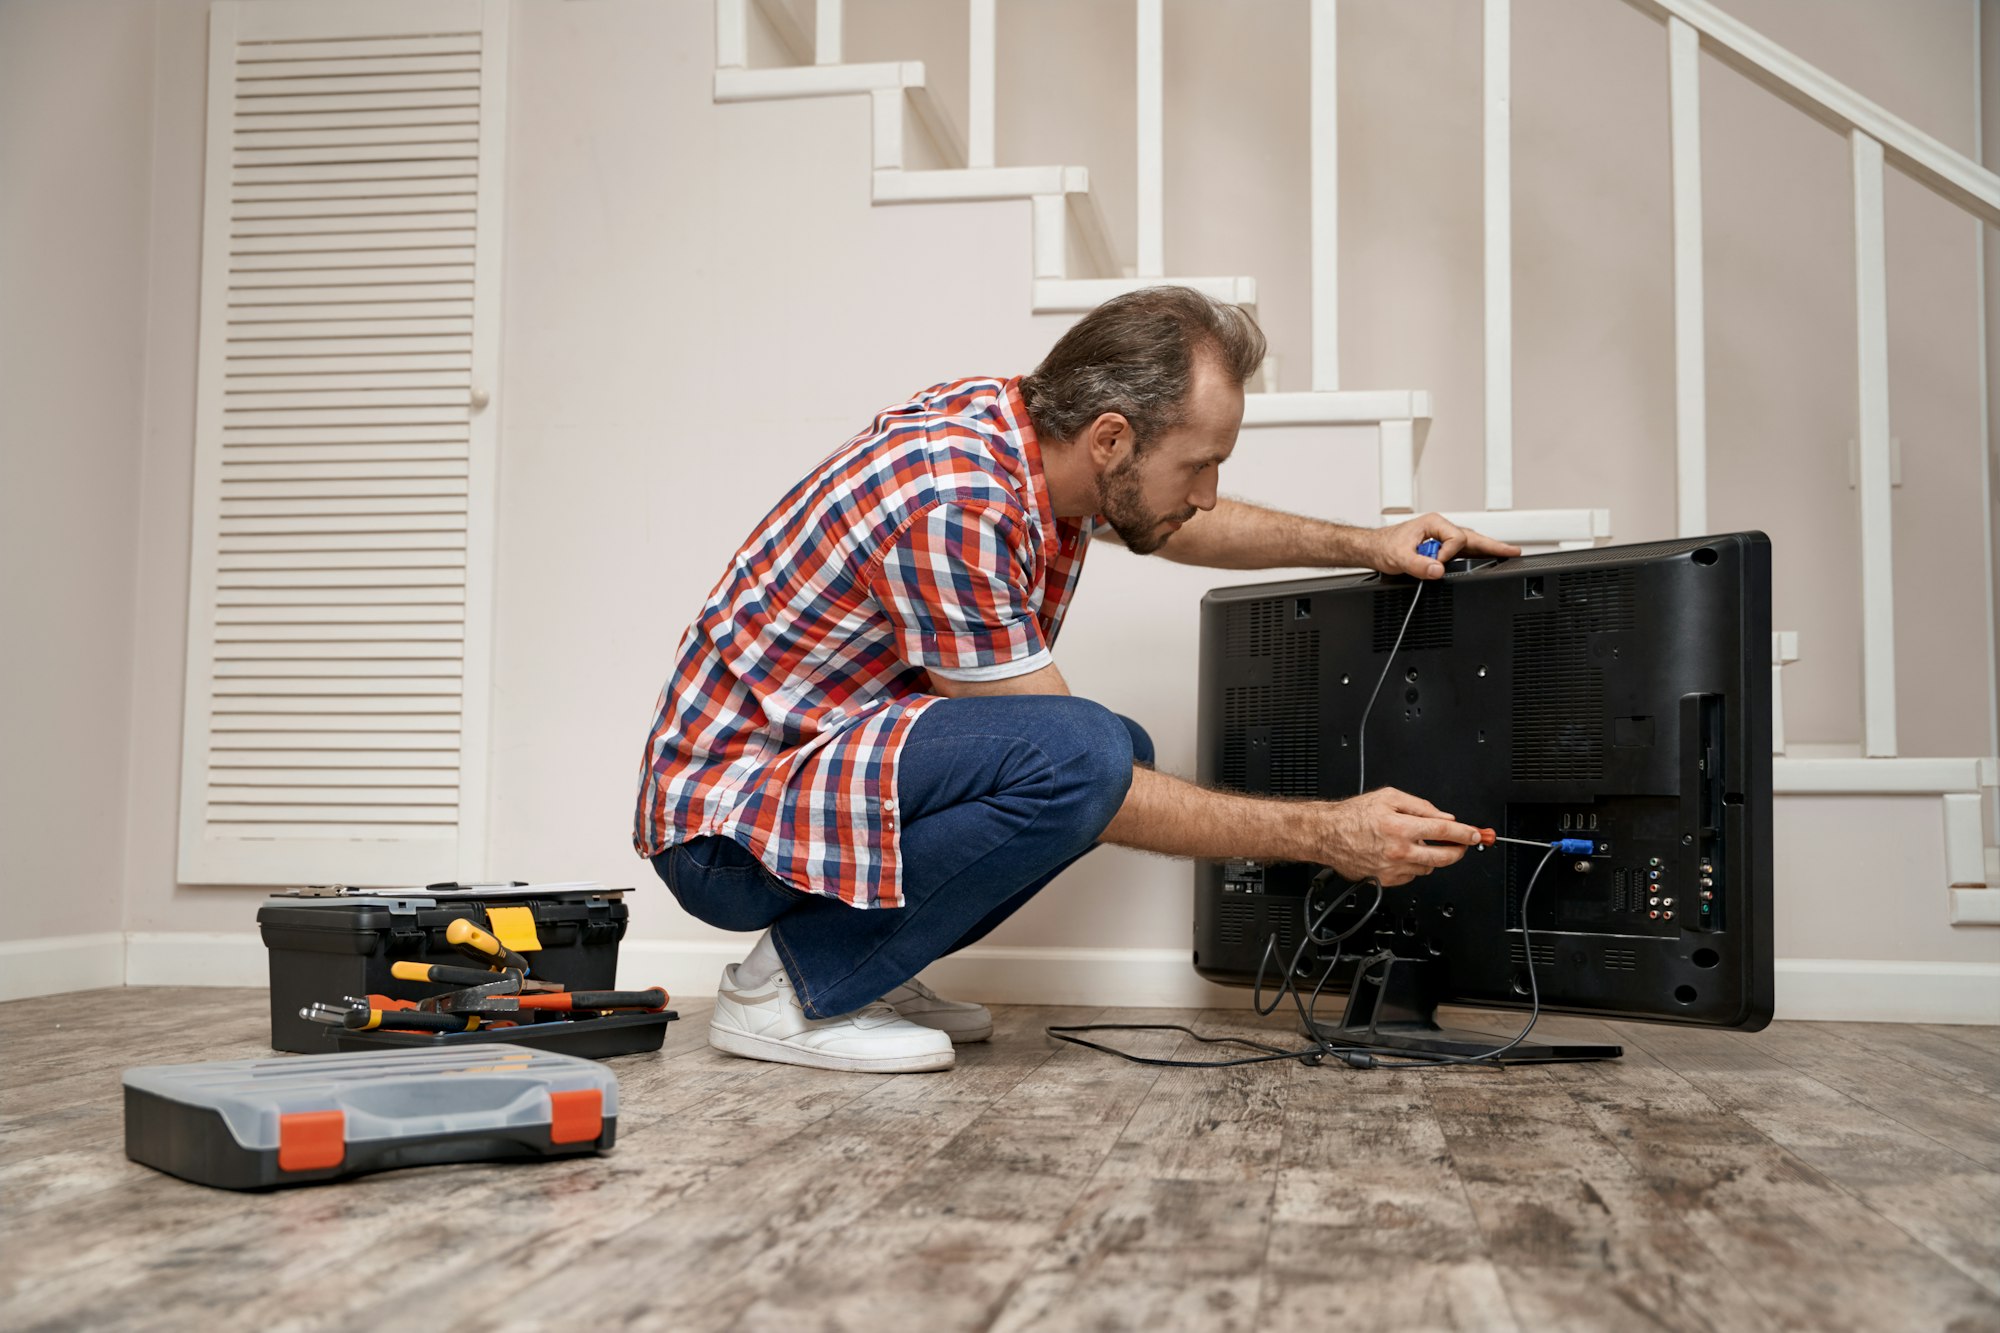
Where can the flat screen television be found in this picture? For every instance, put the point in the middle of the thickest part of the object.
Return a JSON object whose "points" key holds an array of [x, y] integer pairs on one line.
{"points": [[1618, 695]]}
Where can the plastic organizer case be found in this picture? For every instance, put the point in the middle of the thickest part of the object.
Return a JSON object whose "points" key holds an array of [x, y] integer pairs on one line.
{"points": [[256, 1124]]}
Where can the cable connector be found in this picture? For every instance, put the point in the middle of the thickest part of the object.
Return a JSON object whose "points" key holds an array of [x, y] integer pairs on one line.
{"points": [[1429, 547], [1574, 846]]}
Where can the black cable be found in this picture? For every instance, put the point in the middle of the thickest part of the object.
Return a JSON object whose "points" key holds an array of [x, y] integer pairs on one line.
{"points": [[1355, 1056], [1361, 732]]}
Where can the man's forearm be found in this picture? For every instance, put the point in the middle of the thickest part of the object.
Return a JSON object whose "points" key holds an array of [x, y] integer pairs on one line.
{"points": [[1239, 535], [1169, 815]]}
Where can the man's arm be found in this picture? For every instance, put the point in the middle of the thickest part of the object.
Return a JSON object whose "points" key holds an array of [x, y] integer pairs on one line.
{"points": [[1384, 833], [1239, 535]]}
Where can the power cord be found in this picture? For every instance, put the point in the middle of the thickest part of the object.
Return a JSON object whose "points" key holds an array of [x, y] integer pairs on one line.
{"points": [[1356, 1057]]}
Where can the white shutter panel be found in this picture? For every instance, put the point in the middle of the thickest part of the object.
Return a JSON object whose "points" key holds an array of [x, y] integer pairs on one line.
{"points": [[341, 577]]}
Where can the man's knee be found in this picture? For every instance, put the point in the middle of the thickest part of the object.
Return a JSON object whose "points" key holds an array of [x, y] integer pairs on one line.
{"points": [[1100, 759]]}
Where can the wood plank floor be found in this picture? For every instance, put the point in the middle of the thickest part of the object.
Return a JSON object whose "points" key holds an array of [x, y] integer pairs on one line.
{"points": [[1815, 1176]]}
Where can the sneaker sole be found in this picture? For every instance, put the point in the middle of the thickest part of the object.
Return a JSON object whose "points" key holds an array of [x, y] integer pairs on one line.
{"points": [[753, 1047]]}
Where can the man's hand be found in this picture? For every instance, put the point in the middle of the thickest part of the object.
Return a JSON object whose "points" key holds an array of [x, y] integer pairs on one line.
{"points": [[1395, 548], [1387, 834]]}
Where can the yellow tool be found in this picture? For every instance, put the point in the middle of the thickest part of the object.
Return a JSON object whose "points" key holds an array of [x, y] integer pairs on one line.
{"points": [[476, 944]]}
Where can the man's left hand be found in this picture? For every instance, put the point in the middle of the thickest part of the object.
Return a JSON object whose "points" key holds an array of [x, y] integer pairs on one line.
{"points": [[1396, 547]]}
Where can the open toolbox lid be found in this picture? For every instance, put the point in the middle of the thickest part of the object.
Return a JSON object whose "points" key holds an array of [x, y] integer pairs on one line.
{"points": [[428, 895], [385, 1095]]}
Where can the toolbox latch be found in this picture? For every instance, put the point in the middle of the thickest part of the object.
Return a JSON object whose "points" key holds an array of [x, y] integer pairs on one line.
{"points": [[407, 939]]}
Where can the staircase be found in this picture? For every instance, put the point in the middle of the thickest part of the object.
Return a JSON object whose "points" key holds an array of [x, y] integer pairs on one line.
{"points": [[919, 156]]}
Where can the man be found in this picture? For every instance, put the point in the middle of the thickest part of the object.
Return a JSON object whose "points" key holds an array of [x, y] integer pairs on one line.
{"points": [[866, 750]]}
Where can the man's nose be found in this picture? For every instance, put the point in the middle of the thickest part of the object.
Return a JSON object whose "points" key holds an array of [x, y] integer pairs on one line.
{"points": [[1204, 498]]}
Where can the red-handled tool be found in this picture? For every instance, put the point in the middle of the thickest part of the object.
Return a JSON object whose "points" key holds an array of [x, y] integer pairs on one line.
{"points": [[573, 1002]]}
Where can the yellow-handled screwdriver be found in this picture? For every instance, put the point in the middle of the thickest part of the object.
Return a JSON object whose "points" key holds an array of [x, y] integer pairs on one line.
{"points": [[442, 974], [476, 944]]}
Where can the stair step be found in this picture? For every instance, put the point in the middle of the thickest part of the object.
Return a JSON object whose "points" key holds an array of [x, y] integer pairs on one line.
{"points": [[751, 85], [1075, 295], [1809, 768], [1533, 527], [1341, 407], [907, 187], [1975, 907]]}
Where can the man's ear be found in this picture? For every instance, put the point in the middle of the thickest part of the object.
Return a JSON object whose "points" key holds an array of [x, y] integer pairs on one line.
{"points": [[1108, 437]]}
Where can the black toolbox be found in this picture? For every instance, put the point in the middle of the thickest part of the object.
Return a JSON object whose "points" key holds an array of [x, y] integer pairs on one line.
{"points": [[326, 945]]}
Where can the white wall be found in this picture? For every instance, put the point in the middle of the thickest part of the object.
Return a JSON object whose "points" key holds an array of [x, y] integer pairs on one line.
{"points": [[75, 160], [700, 302]]}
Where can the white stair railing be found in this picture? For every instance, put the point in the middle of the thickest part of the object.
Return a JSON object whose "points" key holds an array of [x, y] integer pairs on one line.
{"points": [[1152, 136], [981, 95], [1325, 157], [1497, 207], [1690, 353], [1875, 137]]}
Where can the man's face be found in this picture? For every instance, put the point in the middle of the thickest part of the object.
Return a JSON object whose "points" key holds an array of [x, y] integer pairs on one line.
{"points": [[1147, 496]]}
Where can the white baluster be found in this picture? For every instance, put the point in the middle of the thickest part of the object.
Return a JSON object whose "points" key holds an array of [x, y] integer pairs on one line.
{"points": [[732, 33], [1499, 261], [1690, 365], [1152, 140], [827, 29], [1874, 478], [1325, 140], [979, 76]]}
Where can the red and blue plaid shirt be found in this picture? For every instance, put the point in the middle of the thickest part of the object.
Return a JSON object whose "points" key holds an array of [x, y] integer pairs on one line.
{"points": [[926, 544]]}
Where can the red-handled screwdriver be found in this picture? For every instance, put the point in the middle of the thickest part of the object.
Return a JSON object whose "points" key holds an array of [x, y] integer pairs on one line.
{"points": [[580, 1001]]}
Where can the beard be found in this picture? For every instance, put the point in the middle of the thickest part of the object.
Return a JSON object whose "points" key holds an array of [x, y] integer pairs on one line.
{"points": [[1122, 502]]}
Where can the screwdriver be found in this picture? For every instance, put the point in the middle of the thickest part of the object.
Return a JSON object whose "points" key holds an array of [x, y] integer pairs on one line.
{"points": [[476, 944], [581, 1001], [443, 974], [366, 1018], [1566, 846]]}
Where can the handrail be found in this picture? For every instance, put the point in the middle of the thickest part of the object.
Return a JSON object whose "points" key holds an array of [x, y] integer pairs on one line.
{"points": [[1826, 99]]}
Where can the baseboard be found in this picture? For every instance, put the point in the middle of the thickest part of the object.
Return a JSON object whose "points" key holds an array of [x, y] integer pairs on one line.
{"points": [[196, 958], [1861, 990], [1823, 989], [991, 974], [29, 968]]}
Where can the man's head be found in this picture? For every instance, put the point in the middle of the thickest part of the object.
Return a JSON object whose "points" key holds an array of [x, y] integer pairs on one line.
{"points": [[1149, 387]]}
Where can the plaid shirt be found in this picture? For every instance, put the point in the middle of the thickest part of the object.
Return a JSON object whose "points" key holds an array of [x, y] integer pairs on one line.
{"points": [[924, 544]]}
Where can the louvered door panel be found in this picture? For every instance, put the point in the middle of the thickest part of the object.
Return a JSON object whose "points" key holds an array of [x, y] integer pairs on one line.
{"points": [[341, 573]]}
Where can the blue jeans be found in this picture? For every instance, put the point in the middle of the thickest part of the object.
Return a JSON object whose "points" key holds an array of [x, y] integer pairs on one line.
{"points": [[998, 795]]}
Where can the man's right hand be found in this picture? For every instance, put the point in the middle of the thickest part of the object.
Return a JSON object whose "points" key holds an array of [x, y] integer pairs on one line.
{"points": [[1387, 835]]}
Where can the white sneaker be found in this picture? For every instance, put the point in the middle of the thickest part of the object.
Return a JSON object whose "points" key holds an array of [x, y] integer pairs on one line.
{"points": [[767, 1024], [960, 1020]]}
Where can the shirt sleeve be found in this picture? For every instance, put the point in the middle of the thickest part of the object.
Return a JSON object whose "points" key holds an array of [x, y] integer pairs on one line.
{"points": [[955, 584]]}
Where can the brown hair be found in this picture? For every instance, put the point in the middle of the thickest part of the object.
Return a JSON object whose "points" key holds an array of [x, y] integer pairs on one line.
{"points": [[1134, 355]]}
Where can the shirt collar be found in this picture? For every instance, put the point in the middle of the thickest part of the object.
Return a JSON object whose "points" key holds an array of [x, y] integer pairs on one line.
{"points": [[1057, 534]]}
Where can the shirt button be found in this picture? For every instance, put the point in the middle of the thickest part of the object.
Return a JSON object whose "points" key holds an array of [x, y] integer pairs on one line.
{"points": [[889, 805]]}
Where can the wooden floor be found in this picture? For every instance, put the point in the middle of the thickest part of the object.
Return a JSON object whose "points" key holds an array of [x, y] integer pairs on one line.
{"points": [[1815, 1176]]}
